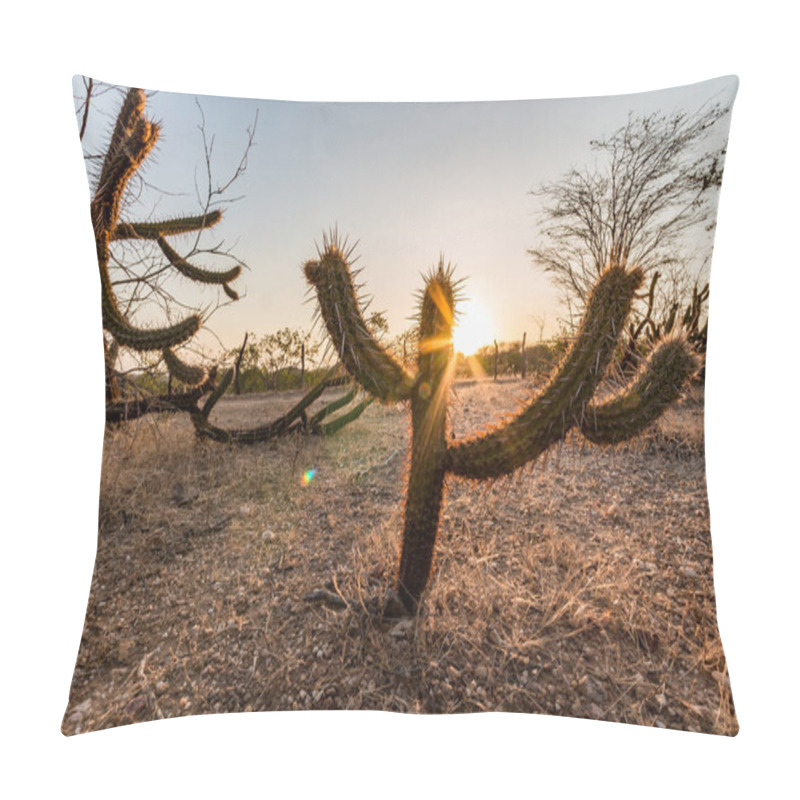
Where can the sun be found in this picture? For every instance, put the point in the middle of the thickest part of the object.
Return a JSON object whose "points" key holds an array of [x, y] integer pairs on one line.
{"points": [[473, 328]]}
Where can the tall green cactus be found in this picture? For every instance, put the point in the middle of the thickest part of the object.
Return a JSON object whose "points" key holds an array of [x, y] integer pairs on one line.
{"points": [[132, 140], [566, 401]]}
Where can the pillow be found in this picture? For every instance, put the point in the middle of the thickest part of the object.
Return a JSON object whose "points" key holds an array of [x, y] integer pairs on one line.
{"points": [[483, 491]]}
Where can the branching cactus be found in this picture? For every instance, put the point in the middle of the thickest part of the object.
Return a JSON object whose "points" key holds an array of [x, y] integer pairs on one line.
{"points": [[567, 400], [132, 140], [295, 420]]}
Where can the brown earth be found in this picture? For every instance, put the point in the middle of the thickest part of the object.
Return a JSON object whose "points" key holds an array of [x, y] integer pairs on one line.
{"points": [[582, 586]]}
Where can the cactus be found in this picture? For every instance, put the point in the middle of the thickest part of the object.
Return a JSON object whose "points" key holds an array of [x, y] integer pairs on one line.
{"points": [[194, 273], [132, 140], [362, 356], [293, 421], [185, 373], [566, 401], [120, 411], [167, 227], [688, 323]]}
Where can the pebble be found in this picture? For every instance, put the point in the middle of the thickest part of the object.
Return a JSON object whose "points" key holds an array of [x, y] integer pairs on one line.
{"points": [[481, 673], [594, 690], [136, 705], [401, 629]]}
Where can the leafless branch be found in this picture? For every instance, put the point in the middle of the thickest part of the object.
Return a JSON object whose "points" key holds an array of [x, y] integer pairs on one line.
{"points": [[656, 180]]}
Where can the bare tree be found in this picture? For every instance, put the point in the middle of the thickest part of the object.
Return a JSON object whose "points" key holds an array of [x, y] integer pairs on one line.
{"points": [[656, 179]]}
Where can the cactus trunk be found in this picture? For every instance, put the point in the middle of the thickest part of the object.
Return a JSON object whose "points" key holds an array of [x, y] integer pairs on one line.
{"points": [[428, 439], [423, 500]]}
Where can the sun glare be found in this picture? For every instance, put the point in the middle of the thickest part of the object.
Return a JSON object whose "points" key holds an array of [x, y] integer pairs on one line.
{"points": [[473, 328]]}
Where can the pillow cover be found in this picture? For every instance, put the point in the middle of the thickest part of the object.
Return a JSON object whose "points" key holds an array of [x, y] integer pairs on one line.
{"points": [[485, 492]]}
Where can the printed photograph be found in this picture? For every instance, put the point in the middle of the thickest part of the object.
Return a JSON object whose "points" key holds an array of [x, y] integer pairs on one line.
{"points": [[404, 407]]}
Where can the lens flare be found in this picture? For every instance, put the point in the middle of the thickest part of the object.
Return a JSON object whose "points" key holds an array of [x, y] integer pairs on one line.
{"points": [[308, 475]]}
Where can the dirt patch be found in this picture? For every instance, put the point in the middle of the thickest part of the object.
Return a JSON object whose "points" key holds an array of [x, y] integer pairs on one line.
{"points": [[582, 586]]}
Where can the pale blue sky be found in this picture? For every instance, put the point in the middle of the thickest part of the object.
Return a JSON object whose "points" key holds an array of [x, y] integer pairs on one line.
{"points": [[408, 181]]}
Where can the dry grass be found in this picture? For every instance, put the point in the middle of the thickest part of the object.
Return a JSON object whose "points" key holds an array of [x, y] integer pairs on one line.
{"points": [[580, 587]]}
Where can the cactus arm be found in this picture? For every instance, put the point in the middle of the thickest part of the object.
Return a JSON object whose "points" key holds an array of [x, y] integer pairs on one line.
{"points": [[124, 410], [657, 385], [218, 391], [333, 406], [278, 427], [129, 115], [362, 356], [167, 227], [117, 171], [428, 441], [335, 425], [185, 373], [110, 184], [289, 422], [560, 406], [140, 338], [196, 273]]}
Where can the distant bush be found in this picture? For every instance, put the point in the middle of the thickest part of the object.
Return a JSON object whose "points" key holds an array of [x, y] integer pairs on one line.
{"points": [[541, 359]]}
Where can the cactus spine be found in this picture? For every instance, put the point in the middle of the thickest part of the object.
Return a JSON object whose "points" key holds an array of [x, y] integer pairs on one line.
{"points": [[566, 401]]}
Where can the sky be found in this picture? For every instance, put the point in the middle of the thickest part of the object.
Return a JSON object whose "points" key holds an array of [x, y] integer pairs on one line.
{"points": [[410, 183]]}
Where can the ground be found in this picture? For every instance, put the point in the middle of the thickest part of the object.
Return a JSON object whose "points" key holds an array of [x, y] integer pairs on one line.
{"points": [[581, 586]]}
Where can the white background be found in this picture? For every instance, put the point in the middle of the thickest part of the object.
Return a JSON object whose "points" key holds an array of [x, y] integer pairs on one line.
{"points": [[52, 398]]}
